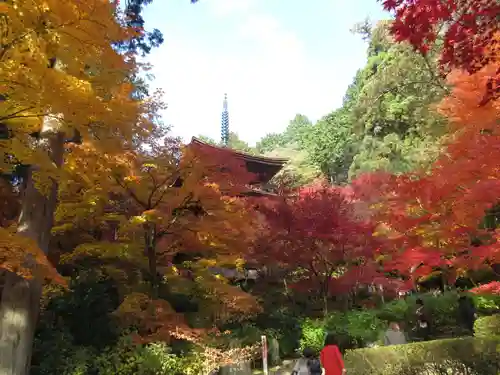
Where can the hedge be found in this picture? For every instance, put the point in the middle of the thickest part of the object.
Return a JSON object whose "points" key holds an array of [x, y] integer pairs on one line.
{"points": [[488, 326], [462, 356], [359, 328]]}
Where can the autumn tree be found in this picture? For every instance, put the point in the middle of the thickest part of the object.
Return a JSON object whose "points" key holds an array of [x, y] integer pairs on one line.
{"points": [[179, 194], [318, 235], [435, 219], [61, 76], [466, 28], [153, 206]]}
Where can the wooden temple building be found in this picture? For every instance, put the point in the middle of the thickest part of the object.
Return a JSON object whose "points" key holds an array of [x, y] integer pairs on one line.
{"points": [[263, 168]]}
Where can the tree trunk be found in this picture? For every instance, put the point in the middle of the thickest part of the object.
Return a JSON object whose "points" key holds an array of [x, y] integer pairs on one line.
{"points": [[20, 297], [150, 250], [325, 291], [18, 316]]}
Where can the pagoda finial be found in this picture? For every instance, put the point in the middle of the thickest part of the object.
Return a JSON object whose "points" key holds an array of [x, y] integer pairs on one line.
{"points": [[224, 131]]}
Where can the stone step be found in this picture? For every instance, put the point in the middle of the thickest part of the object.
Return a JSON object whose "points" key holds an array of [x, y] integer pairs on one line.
{"points": [[285, 368]]}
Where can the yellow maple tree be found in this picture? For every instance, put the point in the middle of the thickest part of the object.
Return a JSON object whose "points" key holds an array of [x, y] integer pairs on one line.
{"points": [[135, 212], [61, 79]]}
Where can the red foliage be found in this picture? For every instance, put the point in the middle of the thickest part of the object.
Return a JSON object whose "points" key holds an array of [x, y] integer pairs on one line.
{"points": [[318, 233], [492, 288], [221, 166], [432, 217], [422, 219], [470, 25]]}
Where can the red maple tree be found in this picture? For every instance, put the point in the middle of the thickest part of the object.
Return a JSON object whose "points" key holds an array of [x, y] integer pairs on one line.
{"points": [[467, 29], [320, 237], [433, 218]]}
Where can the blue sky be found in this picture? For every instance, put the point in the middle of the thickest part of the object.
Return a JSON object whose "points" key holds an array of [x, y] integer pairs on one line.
{"points": [[273, 58]]}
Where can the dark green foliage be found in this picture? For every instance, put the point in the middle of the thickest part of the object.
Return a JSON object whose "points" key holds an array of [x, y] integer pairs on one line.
{"points": [[77, 335], [331, 145], [354, 329], [442, 308], [75, 324], [386, 121], [360, 328], [285, 327], [296, 133], [85, 310], [133, 17], [464, 356], [280, 324], [234, 142]]}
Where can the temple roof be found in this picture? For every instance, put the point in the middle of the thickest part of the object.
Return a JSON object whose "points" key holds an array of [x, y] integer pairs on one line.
{"points": [[245, 155], [264, 167]]}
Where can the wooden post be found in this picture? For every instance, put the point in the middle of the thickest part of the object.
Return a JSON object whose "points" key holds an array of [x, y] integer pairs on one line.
{"points": [[264, 355]]}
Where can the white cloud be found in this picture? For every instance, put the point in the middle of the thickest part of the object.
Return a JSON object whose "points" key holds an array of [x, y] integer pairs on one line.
{"points": [[268, 81]]}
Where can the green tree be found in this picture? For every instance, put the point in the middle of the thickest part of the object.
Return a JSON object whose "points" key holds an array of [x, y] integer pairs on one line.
{"points": [[235, 142], [299, 169], [297, 129], [391, 106], [331, 145], [295, 132], [270, 142]]}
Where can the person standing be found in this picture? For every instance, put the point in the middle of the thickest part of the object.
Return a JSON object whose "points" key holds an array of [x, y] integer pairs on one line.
{"points": [[423, 320], [394, 335], [467, 313], [331, 358], [308, 364]]}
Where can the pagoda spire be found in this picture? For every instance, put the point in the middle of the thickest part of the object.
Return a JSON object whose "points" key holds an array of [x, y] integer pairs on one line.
{"points": [[224, 131]]}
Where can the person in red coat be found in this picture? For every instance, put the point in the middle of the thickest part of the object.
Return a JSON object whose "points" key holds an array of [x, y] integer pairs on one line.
{"points": [[330, 357]]}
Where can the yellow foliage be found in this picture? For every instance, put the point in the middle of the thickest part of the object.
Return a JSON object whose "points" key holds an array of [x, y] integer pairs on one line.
{"points": [[58, 67], [107, 250], [22, 256], [60, 75], [139, 193], [155, 320], [222, 301]]}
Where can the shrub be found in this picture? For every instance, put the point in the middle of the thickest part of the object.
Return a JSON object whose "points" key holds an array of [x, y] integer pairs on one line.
{"points": [[74, 326], [355, 329], [442, 308], [488, 326], [478, 356], [313, 335], [395, 311], [158, 358], [486, 304], [280, 324], [285, 327], [124, 358]]}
